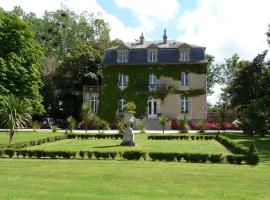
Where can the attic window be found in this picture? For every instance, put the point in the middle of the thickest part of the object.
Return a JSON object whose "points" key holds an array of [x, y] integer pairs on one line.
{"points": [[152, 55], [122, 56], [184, 55]]}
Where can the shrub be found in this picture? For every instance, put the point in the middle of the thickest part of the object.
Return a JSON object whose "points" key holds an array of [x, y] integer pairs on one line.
{"points": [[113, 155], [82, 154], [186, 157], [23, 152], [39, 153], [132, 155], [182, 124], [54, 129], [216, 158], [71, 123], [163, 121], [162, 156], [233, 147], [35, 125], [89, 154], [252, 155], [9, 152], [142, 127], [192, 137], [235, 159], [178, 156], [201, 126], [120, 126]]}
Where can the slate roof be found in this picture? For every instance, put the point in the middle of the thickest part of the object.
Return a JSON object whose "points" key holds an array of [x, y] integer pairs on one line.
{"points": [[168, 53]]}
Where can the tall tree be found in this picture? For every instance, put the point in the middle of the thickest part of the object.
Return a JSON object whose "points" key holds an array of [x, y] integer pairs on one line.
{"points": [[249, 92], [213, 74], [20, 57]]}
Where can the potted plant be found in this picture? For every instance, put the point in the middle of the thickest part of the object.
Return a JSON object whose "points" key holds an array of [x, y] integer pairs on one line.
{"points": [[129, 110]]}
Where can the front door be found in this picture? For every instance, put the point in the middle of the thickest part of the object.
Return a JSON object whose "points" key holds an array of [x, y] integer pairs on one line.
{"points": [[152, 108]]}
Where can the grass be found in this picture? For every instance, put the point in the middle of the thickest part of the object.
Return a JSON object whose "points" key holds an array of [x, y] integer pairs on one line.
{"points": [[262, 144], [25, 136], [84, 179], [201, 146], [38, 179]]}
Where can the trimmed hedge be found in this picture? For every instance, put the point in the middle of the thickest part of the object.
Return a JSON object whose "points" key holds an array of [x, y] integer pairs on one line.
{"points": [[45, 154], [133, 155], [232, 146], [94, 136], [216, 158], [180, 137], [20, 145], [236, 159]]}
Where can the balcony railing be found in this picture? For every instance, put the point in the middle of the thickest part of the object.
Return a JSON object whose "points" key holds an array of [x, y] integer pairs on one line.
{"points": [[157, 87], [91, 88]]}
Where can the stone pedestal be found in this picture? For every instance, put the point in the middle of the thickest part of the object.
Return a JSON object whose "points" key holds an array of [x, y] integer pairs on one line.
{"points": [[128, 136]]}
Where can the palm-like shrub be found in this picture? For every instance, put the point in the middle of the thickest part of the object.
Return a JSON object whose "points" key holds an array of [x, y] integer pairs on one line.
{"points": [[182, 124], [201, 126], [120, 126], [101, 125], [34, 125], [163, 121], [142, 127], [14, 113], [71, 123], [86, 115]]}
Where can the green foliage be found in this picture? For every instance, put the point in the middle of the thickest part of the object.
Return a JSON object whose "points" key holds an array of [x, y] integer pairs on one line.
{"points": [[9, 152], [163, 121], [35, 125], [101, 124], [120, 126], [213, 74], [87, 115], [129, 107], [142, 127], [14, 113], [252, 155], [182, 124], [54, 128], [137, 88], [71, 123], [161, 156], [180, 137], [231, 145], [216, 158], [132, 155], [202, 126], [236, 159], [20, 58]]}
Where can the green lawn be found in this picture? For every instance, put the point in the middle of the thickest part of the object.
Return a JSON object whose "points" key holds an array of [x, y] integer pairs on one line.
{"points": [[26, 136], [32, 179], [262, 144], [204, 146]]}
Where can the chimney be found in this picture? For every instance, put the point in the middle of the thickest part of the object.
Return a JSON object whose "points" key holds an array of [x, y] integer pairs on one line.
{"points": [[165, 37], [141, 39]]}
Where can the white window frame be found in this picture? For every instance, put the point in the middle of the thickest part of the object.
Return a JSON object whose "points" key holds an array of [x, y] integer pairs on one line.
{"points": [[121, 103], [184, 55], [152, 55], [122, 56], [94, 101], [152, 81], [122, 81], [184, 105], [184, 80]]}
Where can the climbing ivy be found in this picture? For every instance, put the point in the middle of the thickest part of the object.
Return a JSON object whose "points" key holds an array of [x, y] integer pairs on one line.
{"points": [[137, 88]]}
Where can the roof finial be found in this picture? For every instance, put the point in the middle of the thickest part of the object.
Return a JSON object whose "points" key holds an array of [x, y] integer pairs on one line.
{"points": [[141, 39], [165, 36]]}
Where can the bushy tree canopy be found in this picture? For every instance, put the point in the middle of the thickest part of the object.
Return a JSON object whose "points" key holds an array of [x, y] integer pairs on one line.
{"points": [[20, 57]]}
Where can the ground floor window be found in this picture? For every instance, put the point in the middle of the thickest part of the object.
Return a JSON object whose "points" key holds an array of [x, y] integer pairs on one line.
{"points": [[184, 104], [121, 104], [94, 103]]}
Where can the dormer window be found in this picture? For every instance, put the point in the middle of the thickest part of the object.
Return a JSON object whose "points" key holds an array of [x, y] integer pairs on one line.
{"points": [[122, 56], [184, 55], [152, 55]]}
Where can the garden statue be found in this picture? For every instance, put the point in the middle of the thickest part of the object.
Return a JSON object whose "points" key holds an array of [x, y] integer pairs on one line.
{"points": [[129, 119]]}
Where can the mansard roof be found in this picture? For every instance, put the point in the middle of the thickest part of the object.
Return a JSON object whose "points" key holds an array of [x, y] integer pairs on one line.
{"points": [[168, 53]]}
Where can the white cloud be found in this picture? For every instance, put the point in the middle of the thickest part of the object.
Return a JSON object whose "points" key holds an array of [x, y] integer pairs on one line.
{"points": [[227, 27], [159, 10]]}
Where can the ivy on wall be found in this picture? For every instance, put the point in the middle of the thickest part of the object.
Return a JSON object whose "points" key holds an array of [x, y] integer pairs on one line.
{"points": [[137, 88]]}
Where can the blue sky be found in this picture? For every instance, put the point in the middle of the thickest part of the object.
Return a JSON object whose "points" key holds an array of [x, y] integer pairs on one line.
{"points": [[224, 27]]}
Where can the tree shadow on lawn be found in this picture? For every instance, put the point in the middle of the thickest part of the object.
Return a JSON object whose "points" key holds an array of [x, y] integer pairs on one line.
{"points": [[118, 145]]}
